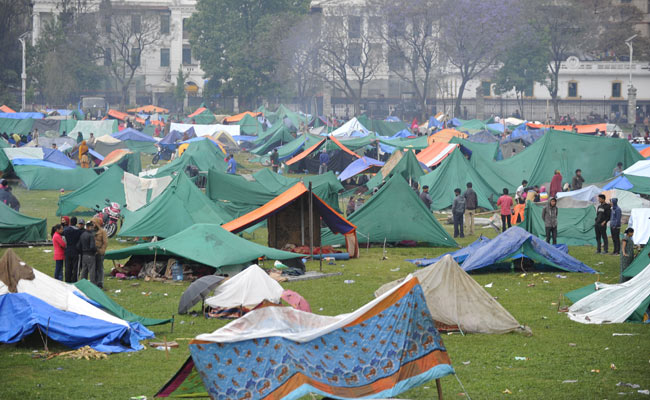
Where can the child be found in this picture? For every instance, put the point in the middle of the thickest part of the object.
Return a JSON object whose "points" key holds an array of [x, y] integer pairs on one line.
{"points": [[59, 250]]}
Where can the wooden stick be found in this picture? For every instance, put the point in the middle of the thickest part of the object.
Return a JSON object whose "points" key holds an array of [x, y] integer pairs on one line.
{"points": [[166, 347], [439, 387]]}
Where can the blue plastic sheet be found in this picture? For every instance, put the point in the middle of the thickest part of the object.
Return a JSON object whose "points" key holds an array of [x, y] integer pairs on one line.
{"points": [[459, 255], [22, 115], [132, 134], [621, 183], [21, 314], [358, 166]]}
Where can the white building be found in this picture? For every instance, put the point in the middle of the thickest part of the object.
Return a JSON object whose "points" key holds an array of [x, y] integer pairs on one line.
{"points": [[160, 64], [585, 87]]}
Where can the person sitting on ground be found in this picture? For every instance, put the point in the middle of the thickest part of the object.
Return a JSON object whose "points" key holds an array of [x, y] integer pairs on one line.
{"points": [[578, 180], [627, 251], [549, 216], [505, 202]]}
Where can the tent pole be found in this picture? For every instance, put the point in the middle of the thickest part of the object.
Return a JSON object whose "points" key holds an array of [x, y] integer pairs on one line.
{"points": [[302, 221], [311, 224]]}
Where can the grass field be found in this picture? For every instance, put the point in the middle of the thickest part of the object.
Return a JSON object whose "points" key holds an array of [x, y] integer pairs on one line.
{"points": [[558, 350]]}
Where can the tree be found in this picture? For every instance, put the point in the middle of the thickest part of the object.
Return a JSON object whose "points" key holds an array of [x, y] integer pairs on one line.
{"points": [[126, 39], [347, 57], [237, 42], [564, 29], [299, 59], [411, 37], [179, 88], [474, 35], [14, 21], [63, 63], [525, 63]]}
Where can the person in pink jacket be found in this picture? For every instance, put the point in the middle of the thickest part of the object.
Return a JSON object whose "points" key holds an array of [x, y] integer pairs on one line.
{"points": [[505, 203], [59, 250]]}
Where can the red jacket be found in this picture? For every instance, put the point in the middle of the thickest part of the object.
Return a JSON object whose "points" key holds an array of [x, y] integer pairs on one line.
{"points": [[59, 246], [556, 185]]}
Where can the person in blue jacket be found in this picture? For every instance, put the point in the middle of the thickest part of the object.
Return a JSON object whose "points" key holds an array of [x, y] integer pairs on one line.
{"points": [[615, 226]]}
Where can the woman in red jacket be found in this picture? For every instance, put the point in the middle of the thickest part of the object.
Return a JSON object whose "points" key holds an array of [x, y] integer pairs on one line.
{"points": [[59, 250]]}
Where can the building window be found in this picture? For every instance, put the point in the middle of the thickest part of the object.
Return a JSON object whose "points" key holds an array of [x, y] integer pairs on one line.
{"points": [[108, 60], [136, 23], [187, 55], [164, 24], [376, 53], [486, 87], [375, 25], [396, 28], [354, 27], [164, 57], [616, 89], [354, 54], [135, 57], [573, 89], [395, 60]]}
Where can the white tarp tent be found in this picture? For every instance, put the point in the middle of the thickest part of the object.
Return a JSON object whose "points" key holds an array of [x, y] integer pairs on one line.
{"points": [[139, 192], [588, 193], [639, 168], [640, 221], [612, 304], [205, 130], [246, 289], [347, 129], [455, 298]]}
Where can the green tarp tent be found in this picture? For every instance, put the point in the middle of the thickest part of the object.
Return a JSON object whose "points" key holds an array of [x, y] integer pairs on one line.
{"points": [[455, 172], [45, 178], [278, 136], [417, 143], [19, 126], [107, 185], [408, 166], [205, 117], [393, 214], [203, 154], [16, 227], [290, 149], [353, 143], [250, 125], [383, 128], [97, 295], [207, 244], [181, 205], [575, 225], [293, 117], [472, 126], [487, 151], [596, 156], [67, 125], [240, 196], [97, 128]]}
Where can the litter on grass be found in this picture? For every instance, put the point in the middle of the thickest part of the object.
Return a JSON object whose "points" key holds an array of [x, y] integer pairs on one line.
{"points": [[570, 381], [489, 285], [630, 385], [624, 334]]}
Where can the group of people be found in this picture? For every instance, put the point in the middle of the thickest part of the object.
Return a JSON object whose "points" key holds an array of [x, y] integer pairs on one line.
{"points": [[79, 249]]}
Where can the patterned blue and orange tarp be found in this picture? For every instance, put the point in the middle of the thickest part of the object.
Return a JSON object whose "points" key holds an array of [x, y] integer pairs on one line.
{"points": [[388, 349]]}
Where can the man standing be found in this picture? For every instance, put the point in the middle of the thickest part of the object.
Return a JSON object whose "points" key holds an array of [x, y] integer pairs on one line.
{"points": [[505, 202], [556, 183], [275, 160], [615, 226], [549, 216], [471, 203], [101, 242], [618, 170], [87, 251], [91, 141], [426, 197], [232, 165], [71, 234], [457, 211], [578, 180], [603, 214], [323, 160]]}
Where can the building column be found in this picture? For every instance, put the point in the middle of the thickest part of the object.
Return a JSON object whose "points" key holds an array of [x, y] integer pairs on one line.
{"points": [[480, 103], [631, 105], [36, 29]]}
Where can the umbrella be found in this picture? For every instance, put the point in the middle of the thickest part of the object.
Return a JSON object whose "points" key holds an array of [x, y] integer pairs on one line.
{"points": [[198, 290], [297, 301]]}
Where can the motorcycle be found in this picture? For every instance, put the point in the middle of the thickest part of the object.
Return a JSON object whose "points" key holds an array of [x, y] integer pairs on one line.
{"points": [[110, 216], [165, 152]]}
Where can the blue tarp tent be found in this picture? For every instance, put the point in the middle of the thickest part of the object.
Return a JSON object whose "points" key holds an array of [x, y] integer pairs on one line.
{"points": [[482, 137], [172, 137], [132, 134], [459, 255], [358, 166], [620, 183], [22, 115], [515, 241], [22, 313]]}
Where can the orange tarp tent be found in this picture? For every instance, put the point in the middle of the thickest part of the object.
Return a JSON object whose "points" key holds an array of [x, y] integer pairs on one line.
{"points": [[445, 135], [335, 221], [6, 109], [435, 153], [236, 118], [123, 116], [645, 152], [581, 128], [197, 112], [148, 109], [114, 156]]}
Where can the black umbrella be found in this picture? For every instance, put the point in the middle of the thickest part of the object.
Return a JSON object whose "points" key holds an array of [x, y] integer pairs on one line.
{"points": [[198, 290]]}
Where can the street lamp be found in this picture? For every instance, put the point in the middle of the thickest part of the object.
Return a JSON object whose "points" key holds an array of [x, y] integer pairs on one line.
{"points": [[628, 42], [23, 75]]}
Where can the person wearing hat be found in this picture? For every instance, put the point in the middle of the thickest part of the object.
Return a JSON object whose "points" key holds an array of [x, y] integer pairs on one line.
{"points": [[87, 251], [549, 216]]}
